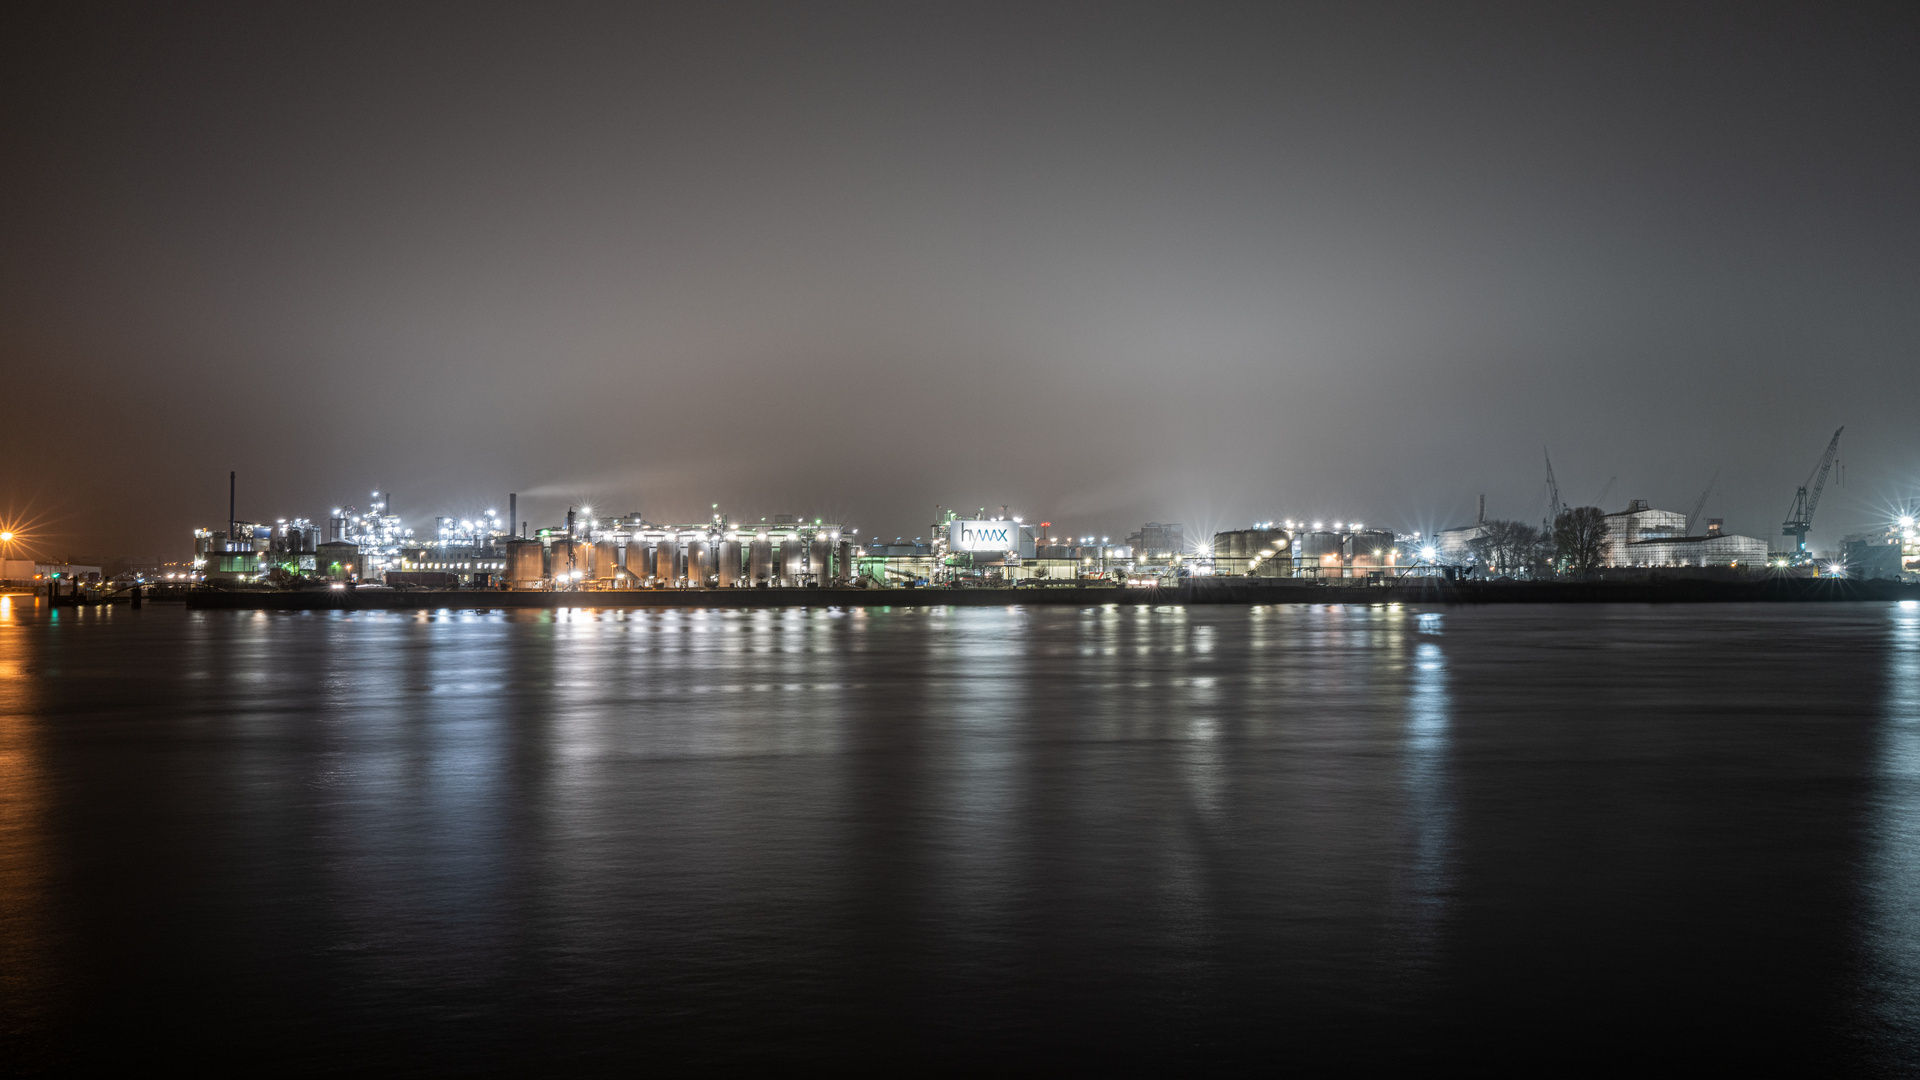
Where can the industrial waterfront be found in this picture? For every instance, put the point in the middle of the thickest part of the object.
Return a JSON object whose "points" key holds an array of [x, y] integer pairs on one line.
{"points": [[618, 556]]}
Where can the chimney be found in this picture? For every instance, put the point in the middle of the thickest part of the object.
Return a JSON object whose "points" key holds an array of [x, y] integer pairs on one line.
{"points": [[1482, 519], [513, 513]]}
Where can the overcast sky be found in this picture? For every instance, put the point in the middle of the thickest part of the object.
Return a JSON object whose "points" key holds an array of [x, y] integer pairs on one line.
{"points": [[1102, 265]]}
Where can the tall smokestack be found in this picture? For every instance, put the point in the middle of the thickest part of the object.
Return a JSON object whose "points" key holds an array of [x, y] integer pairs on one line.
{"points": [[230, 504], [513, 514], [1482, 519]]}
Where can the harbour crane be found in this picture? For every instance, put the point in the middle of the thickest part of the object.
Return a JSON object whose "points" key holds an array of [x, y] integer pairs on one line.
{"points": [[1693, 519], [1800, 516], [1553, 494], [1602, 500]]}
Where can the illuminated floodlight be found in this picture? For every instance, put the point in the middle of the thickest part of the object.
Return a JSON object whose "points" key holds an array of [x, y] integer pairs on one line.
{"points": [[6, 538], [1428, 553], [1316, 524], [1906, 521]]}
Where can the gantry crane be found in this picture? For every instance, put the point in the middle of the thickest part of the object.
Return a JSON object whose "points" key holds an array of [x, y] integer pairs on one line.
{"points": [[1800, 516]]}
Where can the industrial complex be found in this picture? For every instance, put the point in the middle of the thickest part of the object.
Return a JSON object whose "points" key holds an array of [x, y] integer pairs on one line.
{"points": [[350, 548]]}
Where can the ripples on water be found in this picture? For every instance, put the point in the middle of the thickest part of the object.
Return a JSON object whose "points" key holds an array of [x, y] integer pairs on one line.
{"points": [[1546, 836]]}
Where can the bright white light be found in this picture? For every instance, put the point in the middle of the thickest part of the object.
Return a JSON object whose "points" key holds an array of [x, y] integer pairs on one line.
{"points": [[1427, 553], [338, 585], [1906, 521], [1316, 524]]}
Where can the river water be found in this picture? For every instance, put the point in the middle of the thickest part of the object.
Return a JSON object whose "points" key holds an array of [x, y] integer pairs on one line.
{"points": [[1548, 837]]}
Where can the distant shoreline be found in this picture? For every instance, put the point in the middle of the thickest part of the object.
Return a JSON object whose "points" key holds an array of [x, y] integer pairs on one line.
{"points": [[1205, 591]]}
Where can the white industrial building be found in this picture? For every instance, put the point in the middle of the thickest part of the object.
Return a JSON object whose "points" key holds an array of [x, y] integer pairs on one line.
{"points": [[1643, 536]]}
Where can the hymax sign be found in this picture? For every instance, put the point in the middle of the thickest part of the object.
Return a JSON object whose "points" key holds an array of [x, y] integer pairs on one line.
{"points": [[992, 536]]}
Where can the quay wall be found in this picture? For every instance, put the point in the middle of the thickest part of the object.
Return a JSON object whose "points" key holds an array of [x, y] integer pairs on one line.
{"points": [[1202, 591]]}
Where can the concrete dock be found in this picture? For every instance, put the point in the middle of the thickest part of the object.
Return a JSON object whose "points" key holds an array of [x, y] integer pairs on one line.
{"points": [[1199, 591]]}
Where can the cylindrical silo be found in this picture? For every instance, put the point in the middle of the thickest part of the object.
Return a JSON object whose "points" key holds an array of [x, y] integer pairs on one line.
{"points": [[699, 563], [1274, 550], [792, 558], [727, 558], [666, 556], [1370, 549], [524, 569], [606, 560], [1321, 553], [760, 561], [820, 560], [843, 563], [565, 558]]}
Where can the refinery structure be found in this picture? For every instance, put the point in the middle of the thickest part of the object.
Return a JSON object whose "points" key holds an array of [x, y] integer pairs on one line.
{"points": [[355, 547], [586, 551]]}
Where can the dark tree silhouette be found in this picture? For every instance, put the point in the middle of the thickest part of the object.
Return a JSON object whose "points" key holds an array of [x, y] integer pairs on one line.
{"points": [[1507, 547], [1580, 540]]}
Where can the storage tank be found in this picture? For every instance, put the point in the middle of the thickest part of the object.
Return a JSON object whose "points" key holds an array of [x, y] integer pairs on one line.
{"points": [[843, 563], [728, 560], [699, 562], [792, 556], [820, 560], [760, 561], [1233, 551], [1322, 554], [1370, 549], [568, 557], [639, 560], [606, 560], [666, 558], [1274, 550], [524, 564]]}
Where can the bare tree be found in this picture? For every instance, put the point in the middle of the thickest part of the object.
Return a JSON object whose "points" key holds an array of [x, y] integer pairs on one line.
{"points": [[1507, 547], [1580, 540]]}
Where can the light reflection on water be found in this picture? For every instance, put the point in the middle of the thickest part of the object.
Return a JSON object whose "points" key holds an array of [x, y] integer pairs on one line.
{"points": [[1228, 834], [1894, 933]]}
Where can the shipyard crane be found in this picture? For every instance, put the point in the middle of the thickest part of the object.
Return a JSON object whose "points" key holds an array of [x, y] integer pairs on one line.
{"points": [[1553, 494], [1602, 500], [1694, 518], [1800, 516]]}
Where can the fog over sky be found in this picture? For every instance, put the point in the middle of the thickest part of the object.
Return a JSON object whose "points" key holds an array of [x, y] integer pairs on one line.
{"points": [[1101, 264]]}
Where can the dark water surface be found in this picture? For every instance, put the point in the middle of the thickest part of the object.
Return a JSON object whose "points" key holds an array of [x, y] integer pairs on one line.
{"points": [[1538, 836]]}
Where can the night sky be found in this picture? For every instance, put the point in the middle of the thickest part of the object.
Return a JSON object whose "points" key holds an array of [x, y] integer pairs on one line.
{"points": [[1103, 265]]}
